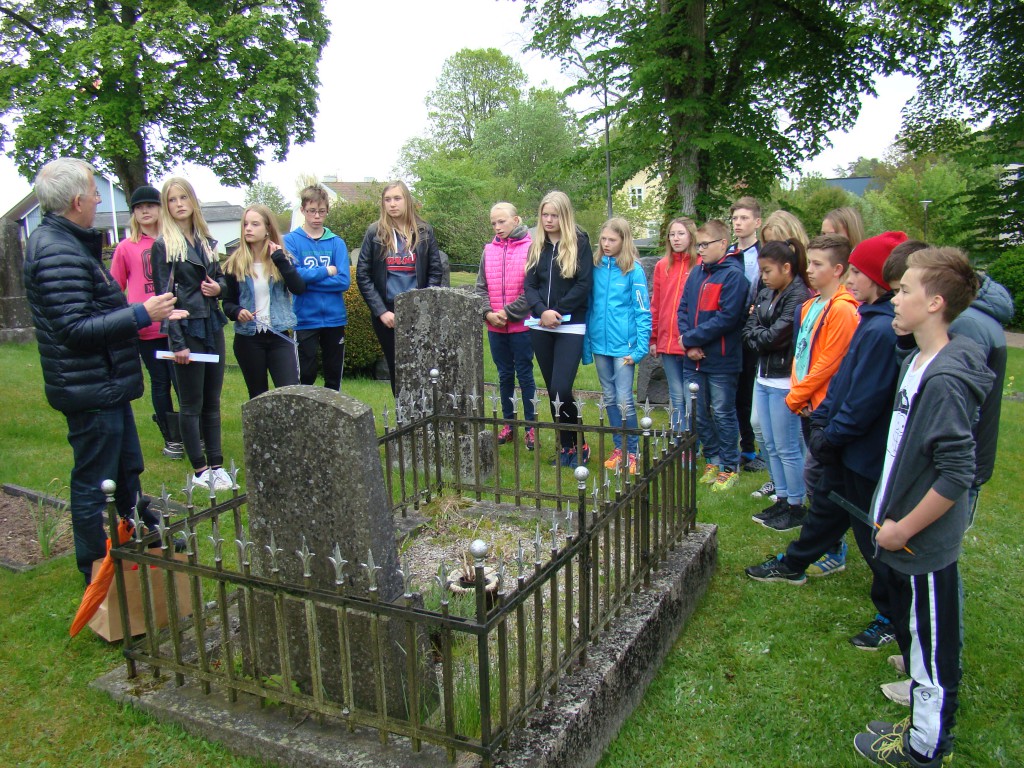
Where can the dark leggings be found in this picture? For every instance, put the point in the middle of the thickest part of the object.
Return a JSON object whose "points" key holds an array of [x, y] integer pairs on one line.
{"points": [[386, 337], [161, 377], [264, 353], [559, 355], [199, 386]]}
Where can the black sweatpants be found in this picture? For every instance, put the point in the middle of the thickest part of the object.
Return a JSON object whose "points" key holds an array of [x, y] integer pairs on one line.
{"points": [[745, 401], [826, 523], [199, 387], [926, 621], [558, 356], [331, 343], [264, 353], [386, 337]]}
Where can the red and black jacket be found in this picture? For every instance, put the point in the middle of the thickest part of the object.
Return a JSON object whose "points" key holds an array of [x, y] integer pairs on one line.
{"points": [[712, 311]]}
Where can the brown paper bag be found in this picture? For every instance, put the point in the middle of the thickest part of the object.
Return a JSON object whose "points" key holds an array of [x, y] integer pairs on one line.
{"points": [[107, 621]]}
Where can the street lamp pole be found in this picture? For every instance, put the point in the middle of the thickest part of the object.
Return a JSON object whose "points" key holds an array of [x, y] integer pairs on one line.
{"points": [[925, 203]]}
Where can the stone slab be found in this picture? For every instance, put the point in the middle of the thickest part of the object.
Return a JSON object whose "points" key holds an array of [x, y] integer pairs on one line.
{"points": [[573, 728]]}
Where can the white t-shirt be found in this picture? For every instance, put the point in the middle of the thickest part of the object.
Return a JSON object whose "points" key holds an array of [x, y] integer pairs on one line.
{"points": [[261, 294], [908, 390]]}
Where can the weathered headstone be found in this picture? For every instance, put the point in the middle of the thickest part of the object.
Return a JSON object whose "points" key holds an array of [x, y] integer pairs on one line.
{"points": [[15, 315], [651, 384], [314, 478], [441, 328]]}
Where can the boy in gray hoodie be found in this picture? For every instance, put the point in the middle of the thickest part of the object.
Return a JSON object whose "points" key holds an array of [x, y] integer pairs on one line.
{"points": [[921, 506]]}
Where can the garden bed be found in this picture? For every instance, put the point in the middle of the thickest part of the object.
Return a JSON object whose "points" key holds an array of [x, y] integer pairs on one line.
{"points": [[19, 536]]}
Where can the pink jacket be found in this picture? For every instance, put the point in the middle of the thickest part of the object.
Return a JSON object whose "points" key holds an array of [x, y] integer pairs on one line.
{"points": [[499, 281], [132, 268]]}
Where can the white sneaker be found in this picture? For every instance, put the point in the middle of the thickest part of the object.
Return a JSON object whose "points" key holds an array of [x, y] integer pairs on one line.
{"points": [[898, 692], [222, 480], [896, 662], [204, 478]]}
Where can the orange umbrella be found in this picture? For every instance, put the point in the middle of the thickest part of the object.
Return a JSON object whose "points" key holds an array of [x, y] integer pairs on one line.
{"points": [[97, 590]]}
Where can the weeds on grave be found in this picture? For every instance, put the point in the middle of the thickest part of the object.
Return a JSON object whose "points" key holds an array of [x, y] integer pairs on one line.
{"points": [[51, 524]]}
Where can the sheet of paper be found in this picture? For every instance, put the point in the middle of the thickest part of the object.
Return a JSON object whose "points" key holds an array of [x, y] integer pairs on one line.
{"points": [[195, 357]]}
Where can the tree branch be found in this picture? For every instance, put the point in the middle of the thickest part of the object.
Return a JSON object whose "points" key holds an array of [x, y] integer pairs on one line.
{"points": [[22, 20]]}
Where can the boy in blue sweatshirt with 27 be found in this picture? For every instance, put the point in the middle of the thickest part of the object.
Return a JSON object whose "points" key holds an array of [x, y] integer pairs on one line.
{"points": [[712, 311], [322, 261]]}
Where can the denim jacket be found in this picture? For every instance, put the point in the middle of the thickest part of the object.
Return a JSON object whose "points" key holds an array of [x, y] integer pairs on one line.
{"points": [[240, 295]]}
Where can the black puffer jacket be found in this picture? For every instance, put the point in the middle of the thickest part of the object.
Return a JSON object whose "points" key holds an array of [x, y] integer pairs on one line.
{"points": [[372, 271], [86, 330], [769, 328]]}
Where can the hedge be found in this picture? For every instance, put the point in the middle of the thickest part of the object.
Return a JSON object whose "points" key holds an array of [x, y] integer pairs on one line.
{"points": [[1008, 270], [362, 350]]}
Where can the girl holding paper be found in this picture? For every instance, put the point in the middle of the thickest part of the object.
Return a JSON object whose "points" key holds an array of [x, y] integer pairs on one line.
{"points": [[185, 261], [260, 281]]}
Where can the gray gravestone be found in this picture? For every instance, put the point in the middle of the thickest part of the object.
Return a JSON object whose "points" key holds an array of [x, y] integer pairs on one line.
{"points": [[15, 315], [651, 384], [312, 470], [441, 328]]}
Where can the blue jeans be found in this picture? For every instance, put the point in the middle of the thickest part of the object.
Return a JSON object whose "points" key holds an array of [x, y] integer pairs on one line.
{"points": [[718, 429], [675, 376], [617, 385], [106, 447], [783, 441], [513, 356]]}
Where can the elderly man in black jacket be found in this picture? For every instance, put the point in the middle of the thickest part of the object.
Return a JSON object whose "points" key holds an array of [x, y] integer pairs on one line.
{"points": [[87, 334]]}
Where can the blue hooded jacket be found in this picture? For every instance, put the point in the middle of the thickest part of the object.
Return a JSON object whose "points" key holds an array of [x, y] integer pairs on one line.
{"points": [[323, 303], [619, 318], [856, 411]]}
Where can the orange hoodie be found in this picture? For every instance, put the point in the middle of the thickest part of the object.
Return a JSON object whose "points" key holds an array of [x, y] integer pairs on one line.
{"points": [[830, 338]]}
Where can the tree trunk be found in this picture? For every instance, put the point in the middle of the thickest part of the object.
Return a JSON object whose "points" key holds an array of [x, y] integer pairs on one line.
{"points": [[132, 172], [686, 31]]}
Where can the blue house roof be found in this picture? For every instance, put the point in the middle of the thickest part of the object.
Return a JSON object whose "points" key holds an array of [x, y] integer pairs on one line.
{"points": [[855, 185]]}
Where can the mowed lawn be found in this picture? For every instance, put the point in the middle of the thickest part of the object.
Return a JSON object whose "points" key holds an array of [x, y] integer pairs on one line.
{"points": [[762, 675]]}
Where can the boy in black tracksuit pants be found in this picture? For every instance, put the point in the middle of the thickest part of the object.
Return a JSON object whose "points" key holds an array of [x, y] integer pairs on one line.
{"points": [[922, 503], [848, 434]]}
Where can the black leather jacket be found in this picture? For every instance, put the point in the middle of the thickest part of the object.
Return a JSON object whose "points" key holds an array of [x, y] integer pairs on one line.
{"points": [[769, 329], [188, 277], [86, 330], [372, 273]]}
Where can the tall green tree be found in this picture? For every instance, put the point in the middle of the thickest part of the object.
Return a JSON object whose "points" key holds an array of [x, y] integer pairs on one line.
{"points": [[137, 87], [473, 85], [265, 193], [977, 76], [721, 98], [532, 143]]}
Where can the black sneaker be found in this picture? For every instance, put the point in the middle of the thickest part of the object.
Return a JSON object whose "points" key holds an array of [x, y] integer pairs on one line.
{"points": [[769, 512], [775, 569], [892, 750], [756, 464], [790, 518], [878, 633]]}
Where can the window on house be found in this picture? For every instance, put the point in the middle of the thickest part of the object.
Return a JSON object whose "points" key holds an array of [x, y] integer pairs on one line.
{"points": [[636, 197]]}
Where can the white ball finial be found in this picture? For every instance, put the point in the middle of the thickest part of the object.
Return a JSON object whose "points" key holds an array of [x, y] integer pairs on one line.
{"points": [[581, 474], [478, 549], [108, 487], [434, 375], [646, 422], [694, 387]]}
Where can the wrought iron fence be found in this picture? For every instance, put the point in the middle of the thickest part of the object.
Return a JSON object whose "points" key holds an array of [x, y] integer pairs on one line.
{"points": [[472, 672]]}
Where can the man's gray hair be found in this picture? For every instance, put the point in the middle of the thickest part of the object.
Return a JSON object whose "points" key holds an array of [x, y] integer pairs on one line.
{"points": [[60, 181]]}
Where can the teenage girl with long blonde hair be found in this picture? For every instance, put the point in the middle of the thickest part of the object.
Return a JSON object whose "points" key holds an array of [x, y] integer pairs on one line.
{"points": [[261, 279], [185, 261], [559, 277]]}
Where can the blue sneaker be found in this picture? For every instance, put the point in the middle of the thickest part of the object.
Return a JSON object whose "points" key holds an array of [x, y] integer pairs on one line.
{"points": [[829, 563], [570, 458], [878, 633]]}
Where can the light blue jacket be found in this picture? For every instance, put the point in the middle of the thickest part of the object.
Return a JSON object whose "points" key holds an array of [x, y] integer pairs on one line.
{"points": [[619, 317], [323, 303]]}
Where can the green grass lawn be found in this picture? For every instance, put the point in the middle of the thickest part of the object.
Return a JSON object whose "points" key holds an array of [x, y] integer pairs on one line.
{"points": [[762, 675]]}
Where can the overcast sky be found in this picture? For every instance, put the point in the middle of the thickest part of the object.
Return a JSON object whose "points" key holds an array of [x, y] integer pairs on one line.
{"points": [[398, 47]]}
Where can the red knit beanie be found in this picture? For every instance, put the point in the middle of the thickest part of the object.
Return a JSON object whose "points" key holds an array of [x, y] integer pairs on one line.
{"points": [[870, 255]]}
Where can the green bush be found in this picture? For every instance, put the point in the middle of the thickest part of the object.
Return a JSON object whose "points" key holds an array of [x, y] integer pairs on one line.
{"points": [[362, 350], [1008, 270]]}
